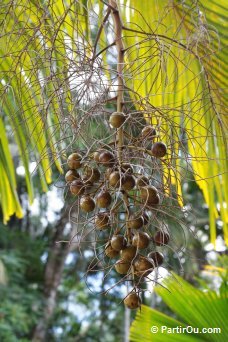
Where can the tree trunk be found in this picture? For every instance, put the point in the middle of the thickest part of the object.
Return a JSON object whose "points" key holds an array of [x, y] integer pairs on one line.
{"points": [[52, 277]]}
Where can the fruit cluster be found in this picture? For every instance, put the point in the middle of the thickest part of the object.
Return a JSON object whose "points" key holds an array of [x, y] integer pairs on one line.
{"points": [[122, 198]]}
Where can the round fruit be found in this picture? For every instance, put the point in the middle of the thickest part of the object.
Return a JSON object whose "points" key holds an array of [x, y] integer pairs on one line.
{"points": [[122, 266], [128, 182], [143, 266], [149, 195], [146, 218], [104, 199], [157, 257], [161, 238], [141, 240], [102, 221], [106, 158], [132, 301], [149, 132], [159, 149], [92, 175], [87, 203], [128, 253], [117, 119], [142, 181], [71, 175], [74, 161], [153, 202], [118, 242], [108, 172], [110, 252], [114, 179], [135, 222], [77, 187], [96, 155], [127, 168]]}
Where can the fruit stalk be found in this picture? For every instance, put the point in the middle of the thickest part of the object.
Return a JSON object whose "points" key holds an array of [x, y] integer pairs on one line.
{"points": [[120, 64]]}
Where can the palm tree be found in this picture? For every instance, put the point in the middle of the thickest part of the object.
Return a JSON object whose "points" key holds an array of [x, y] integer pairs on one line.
{"points": [[56, 65]]}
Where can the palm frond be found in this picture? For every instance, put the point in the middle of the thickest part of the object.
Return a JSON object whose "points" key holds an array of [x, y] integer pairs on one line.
{"points": [[193, 308]]}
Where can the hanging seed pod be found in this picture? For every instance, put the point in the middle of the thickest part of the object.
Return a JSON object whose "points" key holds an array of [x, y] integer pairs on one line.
{"points": [[141, 240], [122, 267], [74, 161], [149, 195], [71, 175], [153, 203], [142, 181], [157, 257], [128, 253], [161, 238], [106, 158], [117, 119], [96, 155], [146, 218], [135, 222], [132, 301], [104, 199], [143, 266], [108, 172], [118, 242], [110, 252], [128, 182], [102, 221], [159, 149], [77, 187], [92, 175], [149, 132], [127, 168], [114, 179], [87, 204]]}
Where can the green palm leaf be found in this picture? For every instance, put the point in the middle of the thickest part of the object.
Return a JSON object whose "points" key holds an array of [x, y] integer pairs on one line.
{"points": [[193, 307]]}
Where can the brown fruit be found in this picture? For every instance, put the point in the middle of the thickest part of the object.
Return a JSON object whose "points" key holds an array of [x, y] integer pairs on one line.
{"points": [[122, 266], [108, 172], [96, 155], [146, 218], [77, 187], [128, 253], [104, 199], [161, 238], [74, 161], [159, 149], [157, 257], [141, 240], [106, 158], [71, 175], [118, 242], [92, 175], [143, 266], [149, 132], [142, 181], [153, 203], [132, 301], [149, 195], [135, 222], [87, 204], [110, 252], [128, 182], [117, 119], [102, 221], [114, 179], [127, 168]]}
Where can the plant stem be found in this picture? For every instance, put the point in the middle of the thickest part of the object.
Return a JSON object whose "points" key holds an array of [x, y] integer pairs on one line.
{"points": [[120, 64]]}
